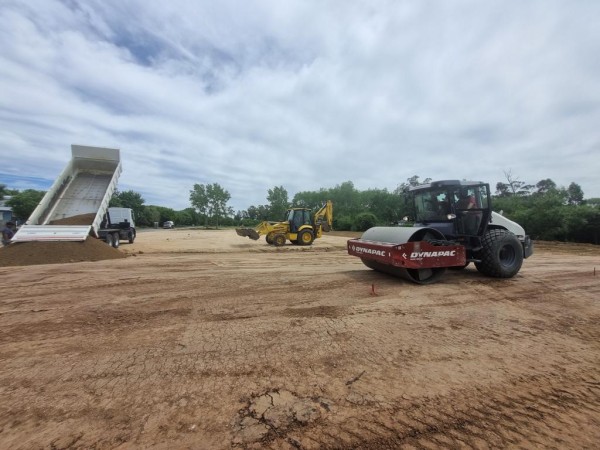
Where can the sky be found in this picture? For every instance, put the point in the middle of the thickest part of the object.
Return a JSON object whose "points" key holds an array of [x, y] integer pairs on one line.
{"points": [[301, 94]]}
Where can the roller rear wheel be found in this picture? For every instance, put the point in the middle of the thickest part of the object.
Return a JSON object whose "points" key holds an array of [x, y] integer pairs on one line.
{"points": [[501, 255]]}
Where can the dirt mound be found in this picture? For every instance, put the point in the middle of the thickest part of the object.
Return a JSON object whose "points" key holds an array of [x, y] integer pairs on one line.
{"points": [[82, 219], [32, 253]]}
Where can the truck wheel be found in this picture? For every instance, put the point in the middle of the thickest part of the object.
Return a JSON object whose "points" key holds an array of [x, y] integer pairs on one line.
{"points": [[501, 255], [305, 237], [116, 240], [269, 238], [109, 239], [279, 240], [131, 236]]}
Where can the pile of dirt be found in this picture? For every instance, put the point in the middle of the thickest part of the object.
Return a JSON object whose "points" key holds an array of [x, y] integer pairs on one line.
{"points": [[32, 253], [82, 219]]}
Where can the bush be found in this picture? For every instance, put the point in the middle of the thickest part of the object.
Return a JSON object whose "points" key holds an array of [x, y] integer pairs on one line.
{"points": [[364, 221], [343, 223]]}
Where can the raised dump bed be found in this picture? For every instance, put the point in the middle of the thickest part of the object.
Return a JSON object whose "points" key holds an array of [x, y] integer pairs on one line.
{"points": [[83, 189]]}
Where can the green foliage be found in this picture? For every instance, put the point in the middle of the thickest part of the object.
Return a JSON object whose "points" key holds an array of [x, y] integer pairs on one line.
{"points": [[129, 199], [575, 194], [278, 202], [211, 202], [388, 207], [149, 215], [2, 191], [23, 203], [553, 213], [343, 223], [364, 221]]}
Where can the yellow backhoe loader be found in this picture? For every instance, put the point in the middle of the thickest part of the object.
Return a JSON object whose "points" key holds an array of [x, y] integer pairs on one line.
{"points": [[300, 227]]}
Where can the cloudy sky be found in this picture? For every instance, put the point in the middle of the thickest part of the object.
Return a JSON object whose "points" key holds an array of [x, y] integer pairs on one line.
{"points": [[304, 94]]}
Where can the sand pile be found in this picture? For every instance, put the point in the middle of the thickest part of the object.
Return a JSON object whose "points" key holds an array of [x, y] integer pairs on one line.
{"points": [[32, 253], [82, 219]]}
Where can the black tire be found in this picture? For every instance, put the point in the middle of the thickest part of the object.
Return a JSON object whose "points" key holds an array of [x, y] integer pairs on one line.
{"points": [[279, 240], [501, 255], [306, 237], [131, 236], [116, 240], [109, 239], [269, 238]]}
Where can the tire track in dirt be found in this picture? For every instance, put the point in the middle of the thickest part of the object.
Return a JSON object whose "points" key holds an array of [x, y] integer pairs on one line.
{"points": [[530, 413], [257, 351]]}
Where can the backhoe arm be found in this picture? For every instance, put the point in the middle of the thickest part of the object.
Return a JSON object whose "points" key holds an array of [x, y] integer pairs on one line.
{"points": [[324, 217]]}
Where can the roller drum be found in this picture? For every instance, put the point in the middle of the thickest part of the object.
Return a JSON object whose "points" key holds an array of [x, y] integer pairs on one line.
{"points": [[402, 235]]}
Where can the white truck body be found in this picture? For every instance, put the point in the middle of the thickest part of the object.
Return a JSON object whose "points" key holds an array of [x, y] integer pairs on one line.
{"points": [[85, 186]]}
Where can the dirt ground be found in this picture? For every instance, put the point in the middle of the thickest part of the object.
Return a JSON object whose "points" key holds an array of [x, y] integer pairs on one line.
{"points": [[203, 339]]}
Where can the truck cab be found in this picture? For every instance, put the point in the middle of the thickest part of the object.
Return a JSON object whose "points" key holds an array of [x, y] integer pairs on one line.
{"points": [[117, 224]]}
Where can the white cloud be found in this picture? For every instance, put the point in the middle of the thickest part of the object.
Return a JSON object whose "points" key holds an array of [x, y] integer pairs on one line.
{"points": [[302, 94]]}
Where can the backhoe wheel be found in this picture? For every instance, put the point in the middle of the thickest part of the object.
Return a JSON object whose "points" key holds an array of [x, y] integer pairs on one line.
{"points": [[116, 240], [109, 239], [279, 240], [306, 237], [501, 255], [269, 238]]}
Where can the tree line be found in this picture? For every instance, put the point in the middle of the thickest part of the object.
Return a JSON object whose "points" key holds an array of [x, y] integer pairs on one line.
{"points": [[545, 210]]}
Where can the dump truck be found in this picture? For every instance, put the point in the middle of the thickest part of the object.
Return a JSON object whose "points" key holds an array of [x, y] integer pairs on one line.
{"points": [[454, 225], [76, 205], [299, 226]]}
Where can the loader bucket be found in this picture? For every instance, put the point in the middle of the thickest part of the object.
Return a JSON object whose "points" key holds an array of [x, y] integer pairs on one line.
{"points": [[250, 232]]}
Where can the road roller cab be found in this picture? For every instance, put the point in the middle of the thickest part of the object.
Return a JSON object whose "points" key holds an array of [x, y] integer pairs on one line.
{"points": [[453, 225]]}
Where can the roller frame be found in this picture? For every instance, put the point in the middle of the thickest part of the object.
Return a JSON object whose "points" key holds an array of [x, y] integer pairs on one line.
{"points": [[409, 255]]}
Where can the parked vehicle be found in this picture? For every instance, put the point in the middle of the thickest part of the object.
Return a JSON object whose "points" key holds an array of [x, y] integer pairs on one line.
{"points": [[168, 224]]}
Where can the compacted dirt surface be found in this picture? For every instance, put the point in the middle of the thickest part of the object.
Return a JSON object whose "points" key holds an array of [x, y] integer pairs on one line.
{"points": [[203, 339]]}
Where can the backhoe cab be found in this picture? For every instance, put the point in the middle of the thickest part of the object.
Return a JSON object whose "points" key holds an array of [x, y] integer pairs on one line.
{"points": [[299, 226]]}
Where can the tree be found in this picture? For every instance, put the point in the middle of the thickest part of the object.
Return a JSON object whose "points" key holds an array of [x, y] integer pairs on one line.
{"points": [[199, 200], [2, 191], [515, 186], [278, 202], [410, 182], [575, 194], [129, 199], [544, 186], [502, 189], [211, 201], [364, 221], [149, 216], [24, 202], [217, 202]]}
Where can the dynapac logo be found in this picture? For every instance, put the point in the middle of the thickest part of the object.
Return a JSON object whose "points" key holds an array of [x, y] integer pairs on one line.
{"points": [[369, 251], [417, 255]]}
